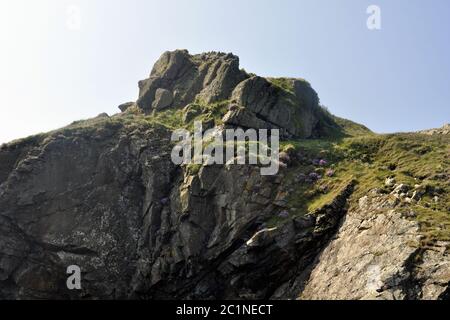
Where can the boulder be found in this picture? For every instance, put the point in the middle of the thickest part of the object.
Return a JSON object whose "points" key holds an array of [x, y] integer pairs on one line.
{"points": [[389, 182], [163, 99], [264, 105], [261, 238], [400, 189], [125, 106], [209, 77]]}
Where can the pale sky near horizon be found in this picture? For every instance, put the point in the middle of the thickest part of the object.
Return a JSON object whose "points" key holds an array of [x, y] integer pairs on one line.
{"points": [[393, 79]]}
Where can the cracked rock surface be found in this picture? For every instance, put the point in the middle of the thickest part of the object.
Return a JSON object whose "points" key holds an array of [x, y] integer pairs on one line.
{"points": [[103, 194]]}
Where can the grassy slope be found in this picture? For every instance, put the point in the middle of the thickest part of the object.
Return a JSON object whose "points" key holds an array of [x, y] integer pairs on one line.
{"points": [[355, 153], [413, 159]]}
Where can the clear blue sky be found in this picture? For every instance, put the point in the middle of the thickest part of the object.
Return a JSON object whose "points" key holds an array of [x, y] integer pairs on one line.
{"points": [[393, 79]]}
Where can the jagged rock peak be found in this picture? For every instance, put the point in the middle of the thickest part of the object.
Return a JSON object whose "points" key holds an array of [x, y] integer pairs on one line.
{"points": [[183, 78], [178, 79]]}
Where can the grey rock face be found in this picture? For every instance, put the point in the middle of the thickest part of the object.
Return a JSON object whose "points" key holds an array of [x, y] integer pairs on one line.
{"points": [[389, 182], [212, 242], [106, 197], [74, 198], [163, 99], [209, 77], [444, 130], [265, 106], [178, 79]]}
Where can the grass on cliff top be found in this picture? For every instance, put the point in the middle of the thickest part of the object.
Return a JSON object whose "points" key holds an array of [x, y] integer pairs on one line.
{"points": [[171, 118], [285, 84], [333, 127], [412, 159], [350, 128]]}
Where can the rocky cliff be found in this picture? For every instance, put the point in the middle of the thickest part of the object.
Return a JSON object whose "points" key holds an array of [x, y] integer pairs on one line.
{"points": [[350, 215]]}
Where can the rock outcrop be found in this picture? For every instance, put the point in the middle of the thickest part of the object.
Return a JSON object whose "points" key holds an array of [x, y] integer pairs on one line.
{"points": [[104, 195], [178, 79], [262, 105], [376, 255], [210, 77]]}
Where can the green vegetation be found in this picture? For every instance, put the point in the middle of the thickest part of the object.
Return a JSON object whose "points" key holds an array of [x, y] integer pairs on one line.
{"points": [[285, 84], [193, 169], [410, 158], [333, 127], [170, 118], [184, 118], [212, 112]]}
